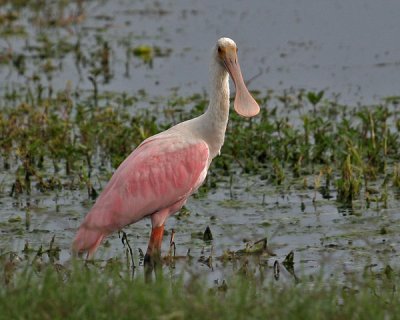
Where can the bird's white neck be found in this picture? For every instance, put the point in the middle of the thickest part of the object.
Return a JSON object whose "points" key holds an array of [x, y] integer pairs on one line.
{"points": [[211, 125], [215, 119]]}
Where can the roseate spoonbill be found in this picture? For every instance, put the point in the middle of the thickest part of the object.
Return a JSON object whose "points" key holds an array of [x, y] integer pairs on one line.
{"points": [[164, 170]]}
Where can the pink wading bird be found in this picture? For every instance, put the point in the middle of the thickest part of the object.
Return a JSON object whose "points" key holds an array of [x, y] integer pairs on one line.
{"points": [[164, 170]]}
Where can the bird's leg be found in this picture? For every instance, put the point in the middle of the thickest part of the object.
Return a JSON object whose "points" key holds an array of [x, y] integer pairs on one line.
{"points": [[153, 253]]}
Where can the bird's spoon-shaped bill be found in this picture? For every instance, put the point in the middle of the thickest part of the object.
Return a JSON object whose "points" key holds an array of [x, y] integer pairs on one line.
{"points": [[244, 104]]}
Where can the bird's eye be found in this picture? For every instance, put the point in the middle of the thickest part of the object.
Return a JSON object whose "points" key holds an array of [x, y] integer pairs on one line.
{"points": [[219, 49]]}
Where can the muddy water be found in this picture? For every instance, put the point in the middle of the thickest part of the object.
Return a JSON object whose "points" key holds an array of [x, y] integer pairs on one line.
{"points": [[345, 49]]}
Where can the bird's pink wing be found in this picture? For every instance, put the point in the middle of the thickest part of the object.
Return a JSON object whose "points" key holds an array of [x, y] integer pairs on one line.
{"points": [[159, 173]]}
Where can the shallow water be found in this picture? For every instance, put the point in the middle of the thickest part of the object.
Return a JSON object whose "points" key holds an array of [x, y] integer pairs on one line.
{"points": [[326, 239], [346, 49]]}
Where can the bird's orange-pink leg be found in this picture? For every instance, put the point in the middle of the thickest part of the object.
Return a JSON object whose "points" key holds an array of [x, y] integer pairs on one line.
{"points": [[153, 252]]}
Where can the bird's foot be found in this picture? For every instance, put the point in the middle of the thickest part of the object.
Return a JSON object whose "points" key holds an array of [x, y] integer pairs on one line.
{"points": [[152, 261]]}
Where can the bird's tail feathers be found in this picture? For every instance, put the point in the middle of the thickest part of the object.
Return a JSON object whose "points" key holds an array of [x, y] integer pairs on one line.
{"points": [[87, 240]]}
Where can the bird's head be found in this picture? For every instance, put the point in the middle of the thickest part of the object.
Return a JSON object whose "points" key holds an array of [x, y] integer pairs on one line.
{"points": [[226, 55]]}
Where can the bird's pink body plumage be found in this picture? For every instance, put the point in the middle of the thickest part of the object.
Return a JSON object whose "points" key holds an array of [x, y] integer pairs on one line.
{"points": [[158, 177]]}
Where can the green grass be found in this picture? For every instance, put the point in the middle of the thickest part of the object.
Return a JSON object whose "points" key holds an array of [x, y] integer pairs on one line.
{"points": [[93, 293]]}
